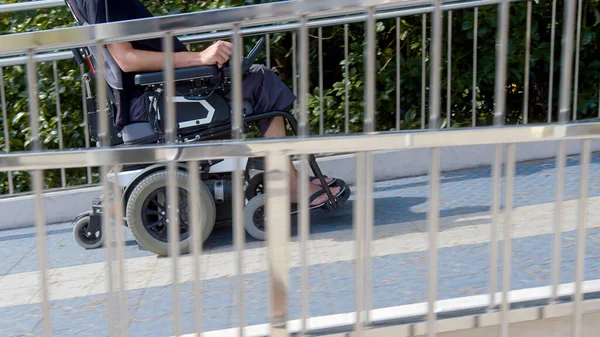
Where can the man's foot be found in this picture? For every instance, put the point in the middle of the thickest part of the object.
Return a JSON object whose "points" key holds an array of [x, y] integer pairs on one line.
{"points": [[323, 197], [317, 182], [316, 189]]}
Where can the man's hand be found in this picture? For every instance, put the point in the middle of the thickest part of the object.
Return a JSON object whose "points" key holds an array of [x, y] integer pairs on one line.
{"points": [[219, 53]]}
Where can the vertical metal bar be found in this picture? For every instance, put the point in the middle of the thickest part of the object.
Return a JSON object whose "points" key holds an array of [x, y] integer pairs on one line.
{"points": [[506, 236], [172, 188], [501, 56], [239, 241], [304, 218], [527, 65], [576, 80], [278, 224], [86, 130], [304, 215], [475, 35], [238, 200], [370, 58], [294, 69], [196, 226], [581, 237], [551, 81], [103, 136], [347, 82], [11, 189], [496, 173], [423, 69], [434, 214], [436, 60], [567, 61], [63, 178], [398, 73], [320, 52], [369, 215], [32, 88], [236, 60], [170, 127], [268, 43], [371, 82], [359, 216], [561, 158], [434, 203], [449, 74], [120, 243]]}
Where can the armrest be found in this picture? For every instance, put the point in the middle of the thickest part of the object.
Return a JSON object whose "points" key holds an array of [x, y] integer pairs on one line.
{"points": [[182, 74]]}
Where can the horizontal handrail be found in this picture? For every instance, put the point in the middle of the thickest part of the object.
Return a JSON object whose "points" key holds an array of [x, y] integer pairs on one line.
{"points": [[247, 17], [294, 146], [318, 22], [47, 57], [31, 5]]}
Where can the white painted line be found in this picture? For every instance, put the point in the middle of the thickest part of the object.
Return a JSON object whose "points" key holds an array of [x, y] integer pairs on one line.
{"points": [[338, 246]]}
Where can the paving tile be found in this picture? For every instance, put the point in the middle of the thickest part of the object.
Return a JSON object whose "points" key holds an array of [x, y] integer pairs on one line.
{"points": [[19, 320]]}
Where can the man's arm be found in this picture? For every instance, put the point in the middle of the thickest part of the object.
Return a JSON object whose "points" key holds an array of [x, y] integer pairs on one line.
{"points": [[130, 59]]}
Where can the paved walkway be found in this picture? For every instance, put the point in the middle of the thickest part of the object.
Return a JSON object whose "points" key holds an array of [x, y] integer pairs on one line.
{"points": [[399, 264]]}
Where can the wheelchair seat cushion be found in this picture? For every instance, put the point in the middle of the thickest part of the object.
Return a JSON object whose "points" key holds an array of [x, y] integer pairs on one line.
{"points": [[139, 133]]}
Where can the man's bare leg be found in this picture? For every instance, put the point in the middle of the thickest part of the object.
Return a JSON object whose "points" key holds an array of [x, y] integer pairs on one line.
{"points": [[277, 130]]}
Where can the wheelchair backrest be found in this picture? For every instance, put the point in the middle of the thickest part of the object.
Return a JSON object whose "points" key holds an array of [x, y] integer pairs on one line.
{"points": [[85, 12]]}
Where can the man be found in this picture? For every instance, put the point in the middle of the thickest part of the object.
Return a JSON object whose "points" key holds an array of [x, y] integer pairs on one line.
{"points": [[261, 87]]}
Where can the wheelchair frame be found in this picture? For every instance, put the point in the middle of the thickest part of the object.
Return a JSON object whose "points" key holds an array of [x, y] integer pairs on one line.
{"points": [[215, 176]]}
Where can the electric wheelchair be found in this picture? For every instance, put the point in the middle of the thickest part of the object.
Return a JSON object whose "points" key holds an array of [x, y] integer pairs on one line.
{"points": [[202, 114]]}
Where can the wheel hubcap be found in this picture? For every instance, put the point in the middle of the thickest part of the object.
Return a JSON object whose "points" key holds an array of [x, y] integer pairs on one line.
{"points": [[155, 214], [86, 236], [259, 218]]}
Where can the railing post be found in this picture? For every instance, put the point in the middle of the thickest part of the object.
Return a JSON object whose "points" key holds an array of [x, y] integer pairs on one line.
{"points": [[278, 231]]}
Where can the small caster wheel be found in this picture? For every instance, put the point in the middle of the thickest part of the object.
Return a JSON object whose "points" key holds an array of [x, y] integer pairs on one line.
{"points": [[83, 237], [254, 217], [255, 186]]}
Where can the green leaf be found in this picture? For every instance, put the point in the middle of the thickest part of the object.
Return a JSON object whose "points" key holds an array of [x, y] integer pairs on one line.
{"points": [[587, 38], [467, 25]]}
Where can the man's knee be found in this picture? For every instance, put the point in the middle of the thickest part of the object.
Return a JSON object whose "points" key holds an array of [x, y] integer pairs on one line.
{"points": [[259, 69], [261, 74]]}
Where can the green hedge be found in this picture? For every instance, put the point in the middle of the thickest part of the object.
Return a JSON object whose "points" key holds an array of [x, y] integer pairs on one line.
{"points": [[334, 68]]}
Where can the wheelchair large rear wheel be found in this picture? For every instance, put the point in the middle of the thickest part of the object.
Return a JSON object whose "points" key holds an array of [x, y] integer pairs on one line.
{"points": [[147, 214]]}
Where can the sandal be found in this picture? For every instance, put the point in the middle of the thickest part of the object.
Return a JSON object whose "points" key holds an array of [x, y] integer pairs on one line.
{"points": [[338, 183]]}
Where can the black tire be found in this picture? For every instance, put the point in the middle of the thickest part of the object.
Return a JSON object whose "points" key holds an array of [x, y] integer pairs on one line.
{"points": [[254, 217], [83, 237], [141, 212], [255, 186]]}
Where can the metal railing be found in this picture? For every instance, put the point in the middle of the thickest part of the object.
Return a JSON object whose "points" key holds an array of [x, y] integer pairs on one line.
{"points": [[284, 22], [240, 22]]}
